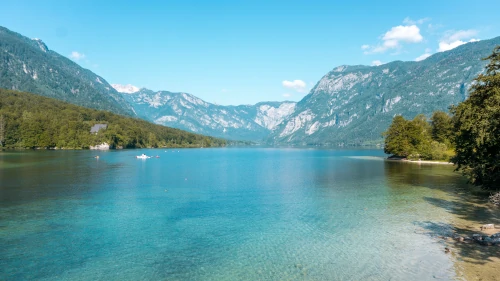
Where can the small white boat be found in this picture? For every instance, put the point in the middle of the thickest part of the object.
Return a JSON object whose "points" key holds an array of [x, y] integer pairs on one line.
{"points": [[143, 156]]}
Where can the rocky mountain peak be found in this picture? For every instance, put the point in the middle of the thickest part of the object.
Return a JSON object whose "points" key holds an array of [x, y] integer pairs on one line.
{"points": [[41, 45]]}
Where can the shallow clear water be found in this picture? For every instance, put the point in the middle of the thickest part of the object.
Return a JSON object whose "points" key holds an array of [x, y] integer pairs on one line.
{"points": [[221, 214]]}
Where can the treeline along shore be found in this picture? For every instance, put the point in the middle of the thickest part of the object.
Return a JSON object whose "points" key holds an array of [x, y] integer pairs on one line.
{"points": [[469, 137], [30, 121]]}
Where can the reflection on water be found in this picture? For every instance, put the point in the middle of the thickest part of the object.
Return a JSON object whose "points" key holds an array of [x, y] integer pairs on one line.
{"points": [[223, 214]]}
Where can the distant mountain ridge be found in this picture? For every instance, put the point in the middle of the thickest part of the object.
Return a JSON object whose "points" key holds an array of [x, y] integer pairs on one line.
{"points": [[28, 65], [350, 105], [187, 112], [353, 105]]}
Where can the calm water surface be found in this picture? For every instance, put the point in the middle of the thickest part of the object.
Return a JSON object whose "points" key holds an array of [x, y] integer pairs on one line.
{"points": [[221, 214]]}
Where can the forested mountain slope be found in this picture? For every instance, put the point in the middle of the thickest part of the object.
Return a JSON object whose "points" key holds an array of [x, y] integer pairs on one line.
{"points": [[30, 121], [353, 105], [28, 65]]}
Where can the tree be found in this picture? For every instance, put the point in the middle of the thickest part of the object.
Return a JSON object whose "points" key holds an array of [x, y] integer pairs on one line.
{"points": [[420, 135], [396, 138], [2, 130], [442, 127], [32, 121], [477, 128]]}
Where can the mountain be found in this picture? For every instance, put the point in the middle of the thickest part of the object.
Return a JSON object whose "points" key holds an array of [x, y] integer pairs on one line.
{"points": [[187, 112], [28, 65], [31, 121], [353, 105], [350, 105]]}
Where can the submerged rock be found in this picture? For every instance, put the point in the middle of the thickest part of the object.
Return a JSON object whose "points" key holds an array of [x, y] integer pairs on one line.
{"points": [[487, 241]]}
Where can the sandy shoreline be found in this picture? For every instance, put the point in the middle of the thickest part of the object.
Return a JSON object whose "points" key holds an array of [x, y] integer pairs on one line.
{"points": [[419, 161]]}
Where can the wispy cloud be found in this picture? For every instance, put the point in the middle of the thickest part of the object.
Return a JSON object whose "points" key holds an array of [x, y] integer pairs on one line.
{"points": [[297, 85], [76, 55], [286, 95], [376, 63], [409, 21], [453, 39]]}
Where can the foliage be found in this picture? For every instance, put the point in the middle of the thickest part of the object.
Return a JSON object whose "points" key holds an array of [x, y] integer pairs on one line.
{"points": [[397, 139], [355, 104], [28, 65], [442, 127], [477, 128], [32, 121], [414, 140], [2, 130], [473, 131]]}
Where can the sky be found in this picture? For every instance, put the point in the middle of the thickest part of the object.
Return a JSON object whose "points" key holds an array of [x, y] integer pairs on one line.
{"points": [[244, 52]]}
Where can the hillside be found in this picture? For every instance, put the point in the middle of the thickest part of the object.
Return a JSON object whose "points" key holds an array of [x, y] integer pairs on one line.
{"points": [[28, 65], [350, 105], [30, 121], [187, 112], [353, 105]]}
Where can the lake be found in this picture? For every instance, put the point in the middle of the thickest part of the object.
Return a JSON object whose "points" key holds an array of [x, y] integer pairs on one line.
{"points": [[227, 214]]}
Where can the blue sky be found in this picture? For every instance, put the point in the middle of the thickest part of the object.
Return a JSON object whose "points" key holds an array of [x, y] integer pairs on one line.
{"points": [[243, 52]]}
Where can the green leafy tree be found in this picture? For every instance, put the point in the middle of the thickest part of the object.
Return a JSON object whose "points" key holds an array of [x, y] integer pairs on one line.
{"points": [[397, 141], [2, 130], [420, 137], [31, 121], [477, 128], [442, 127], [413, 140]]}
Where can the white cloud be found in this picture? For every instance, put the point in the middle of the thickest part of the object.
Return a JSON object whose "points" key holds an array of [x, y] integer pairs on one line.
{"points": [[405, 33], [365, 47], [443, 46], [376, 63], [76, 55], [224, 90], [453, 39], [423, 57], [297, 85], [286, 95], [395, 36], [459, 35], [409, 21], [128, 89]]}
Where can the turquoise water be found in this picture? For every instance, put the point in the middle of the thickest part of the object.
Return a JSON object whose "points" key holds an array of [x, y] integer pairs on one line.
{"points": [[220, 214]]}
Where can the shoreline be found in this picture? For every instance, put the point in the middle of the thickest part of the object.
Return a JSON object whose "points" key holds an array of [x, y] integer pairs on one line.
{"points": [[418, 161]]}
